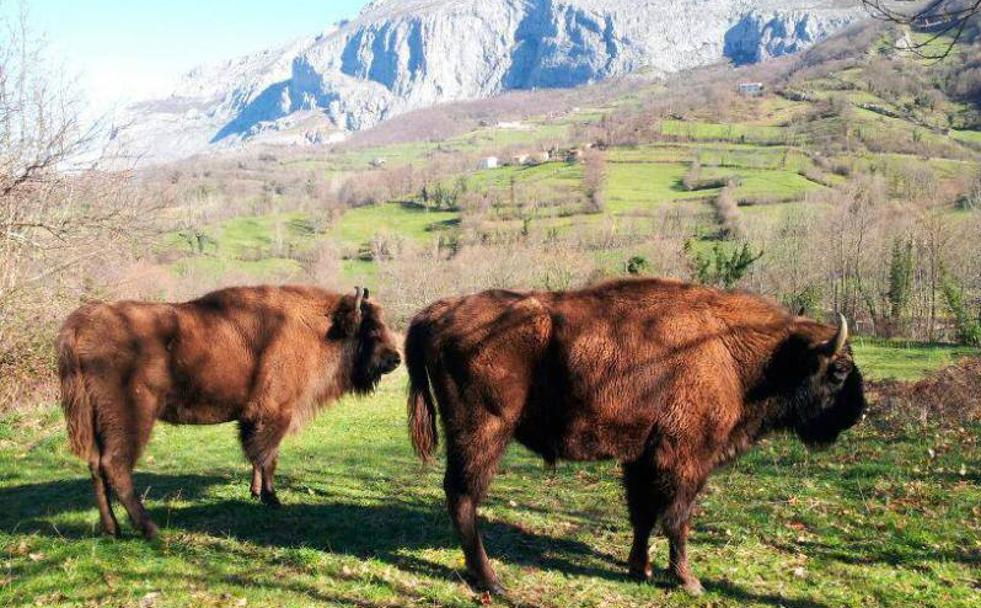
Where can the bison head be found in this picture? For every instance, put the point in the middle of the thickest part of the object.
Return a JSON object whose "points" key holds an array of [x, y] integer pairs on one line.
{"points": [[375, 352], [823, 385]]}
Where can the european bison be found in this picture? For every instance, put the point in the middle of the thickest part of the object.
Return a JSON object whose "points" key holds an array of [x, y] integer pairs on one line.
{"points": [[265, 357], [671, 379]]}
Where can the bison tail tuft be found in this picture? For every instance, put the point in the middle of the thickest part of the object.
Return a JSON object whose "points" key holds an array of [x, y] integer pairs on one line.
{"points": [[76, 402], [421, 405]]}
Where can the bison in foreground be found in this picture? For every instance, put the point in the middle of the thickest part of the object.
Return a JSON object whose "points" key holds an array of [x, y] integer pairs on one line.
{"points": [[264, 357], [671, 379]]}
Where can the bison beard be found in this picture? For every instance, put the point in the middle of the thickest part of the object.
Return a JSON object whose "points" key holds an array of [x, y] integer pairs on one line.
{"points": [[265, 357], [671, 379]]}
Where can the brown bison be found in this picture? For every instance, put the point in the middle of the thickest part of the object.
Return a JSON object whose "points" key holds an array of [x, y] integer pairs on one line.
{"points": [[671, 379], [265, 357]]}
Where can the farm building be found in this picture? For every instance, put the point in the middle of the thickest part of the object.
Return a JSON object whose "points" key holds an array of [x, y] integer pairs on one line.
{"points": [[490, 162], [751, 88], [574, 155]]}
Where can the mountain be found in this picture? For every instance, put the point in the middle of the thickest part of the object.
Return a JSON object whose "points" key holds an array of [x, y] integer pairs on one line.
{"points": [[401, 55]]}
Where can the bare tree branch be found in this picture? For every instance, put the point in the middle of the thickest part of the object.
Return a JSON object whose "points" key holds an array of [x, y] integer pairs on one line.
{"points": [[945, 21]]}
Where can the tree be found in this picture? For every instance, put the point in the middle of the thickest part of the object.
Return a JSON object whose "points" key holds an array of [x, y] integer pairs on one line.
{"points": [[65, 225], [594, 179], [40, 131], [966, 324], [944, 18], [901, 267]]}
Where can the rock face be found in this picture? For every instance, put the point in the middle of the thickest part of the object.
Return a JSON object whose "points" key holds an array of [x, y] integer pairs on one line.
{"points": [[401, 55]]}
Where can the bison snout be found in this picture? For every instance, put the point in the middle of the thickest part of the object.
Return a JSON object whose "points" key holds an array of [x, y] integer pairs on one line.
{"points": [[390, 361]]}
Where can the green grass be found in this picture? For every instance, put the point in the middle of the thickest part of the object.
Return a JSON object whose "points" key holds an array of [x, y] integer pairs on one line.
{"points": [[903, 360], [258, 247], [972, 138], [637, 185], [739, 132], [266, 235], [873, 521], [766, 183], [358, 226]]}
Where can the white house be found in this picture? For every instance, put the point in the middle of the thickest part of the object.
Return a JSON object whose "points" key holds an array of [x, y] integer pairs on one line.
{"points": [[489, 163], [751, 88]]}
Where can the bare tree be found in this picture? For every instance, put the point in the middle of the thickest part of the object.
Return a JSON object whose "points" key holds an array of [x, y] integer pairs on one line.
{"points": [[939, 17], [594, 180], [62, 221]]}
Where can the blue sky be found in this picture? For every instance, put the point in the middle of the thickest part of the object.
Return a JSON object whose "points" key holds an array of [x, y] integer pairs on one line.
{"points": [[124, 49]]}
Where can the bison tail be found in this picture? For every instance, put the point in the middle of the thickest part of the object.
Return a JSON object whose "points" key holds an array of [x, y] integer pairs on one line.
{"points": [[421, 405], [76, 402]]}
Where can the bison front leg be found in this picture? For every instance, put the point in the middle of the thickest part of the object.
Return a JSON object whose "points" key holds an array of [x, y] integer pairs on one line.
{"points": [[260, 441]]}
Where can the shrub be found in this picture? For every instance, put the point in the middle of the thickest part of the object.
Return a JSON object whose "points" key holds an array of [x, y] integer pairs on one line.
{"points": [[720, 268], [966, 324]]}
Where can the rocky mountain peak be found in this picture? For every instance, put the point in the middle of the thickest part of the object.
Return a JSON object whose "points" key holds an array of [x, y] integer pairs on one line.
{"points": [[401, 55]]}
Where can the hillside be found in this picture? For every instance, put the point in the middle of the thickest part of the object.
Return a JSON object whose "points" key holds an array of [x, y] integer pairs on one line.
{"points": [[682, 170], [395, 57]]}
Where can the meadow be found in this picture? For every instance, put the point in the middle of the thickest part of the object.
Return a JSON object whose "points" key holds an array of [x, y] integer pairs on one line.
{"points": [[880, 519]]}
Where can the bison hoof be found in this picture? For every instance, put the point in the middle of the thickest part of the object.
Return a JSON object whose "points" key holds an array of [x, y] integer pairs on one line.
{"points": [[270, 500], [494, 588], [641, 574], [150, 530], [693, 587], [111, 531]]}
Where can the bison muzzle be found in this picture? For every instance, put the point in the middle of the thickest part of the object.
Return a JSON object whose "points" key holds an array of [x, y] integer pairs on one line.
{"points": [[265, 357], [671, 379]]}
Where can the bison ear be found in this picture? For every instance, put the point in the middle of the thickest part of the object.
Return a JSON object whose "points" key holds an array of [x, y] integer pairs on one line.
{"points": [[347, 317]]}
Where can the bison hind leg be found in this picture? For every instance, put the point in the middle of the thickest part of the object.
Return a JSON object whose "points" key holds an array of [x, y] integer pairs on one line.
{"points": [[120, 447], [120, 477], [100, 485], [470, 466], [660, 496], [646, 504]]}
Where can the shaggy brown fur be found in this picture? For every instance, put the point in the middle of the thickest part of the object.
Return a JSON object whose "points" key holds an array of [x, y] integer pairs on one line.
{"points": [[671, 379], [266, 357]]}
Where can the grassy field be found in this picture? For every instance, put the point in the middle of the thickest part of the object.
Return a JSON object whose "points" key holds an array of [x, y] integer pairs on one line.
{"points": [[359, 225], [741, 132], [874, 521]]}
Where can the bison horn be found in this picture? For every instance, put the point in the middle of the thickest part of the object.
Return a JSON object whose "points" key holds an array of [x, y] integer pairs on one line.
{"points": [[359, 296], [838, 342]]}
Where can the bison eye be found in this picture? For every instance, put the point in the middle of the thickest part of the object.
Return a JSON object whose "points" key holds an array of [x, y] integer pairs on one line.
{"points": [[839, 370]]}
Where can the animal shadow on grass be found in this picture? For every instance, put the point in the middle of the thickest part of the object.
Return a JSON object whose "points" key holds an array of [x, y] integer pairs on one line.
{"points": [[383, 531], [392, 532]]}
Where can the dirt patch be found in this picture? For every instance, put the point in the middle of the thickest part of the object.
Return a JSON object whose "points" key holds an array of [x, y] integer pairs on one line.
{"points": [[950, 397]]}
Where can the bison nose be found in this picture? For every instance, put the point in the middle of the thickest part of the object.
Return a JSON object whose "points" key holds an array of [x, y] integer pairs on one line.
{"points": [[391, 361]]}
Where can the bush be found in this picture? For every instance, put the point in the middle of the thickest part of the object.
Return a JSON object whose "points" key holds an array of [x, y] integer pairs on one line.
{"points": [[966, 324], [948, 398], [720, 268]]}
